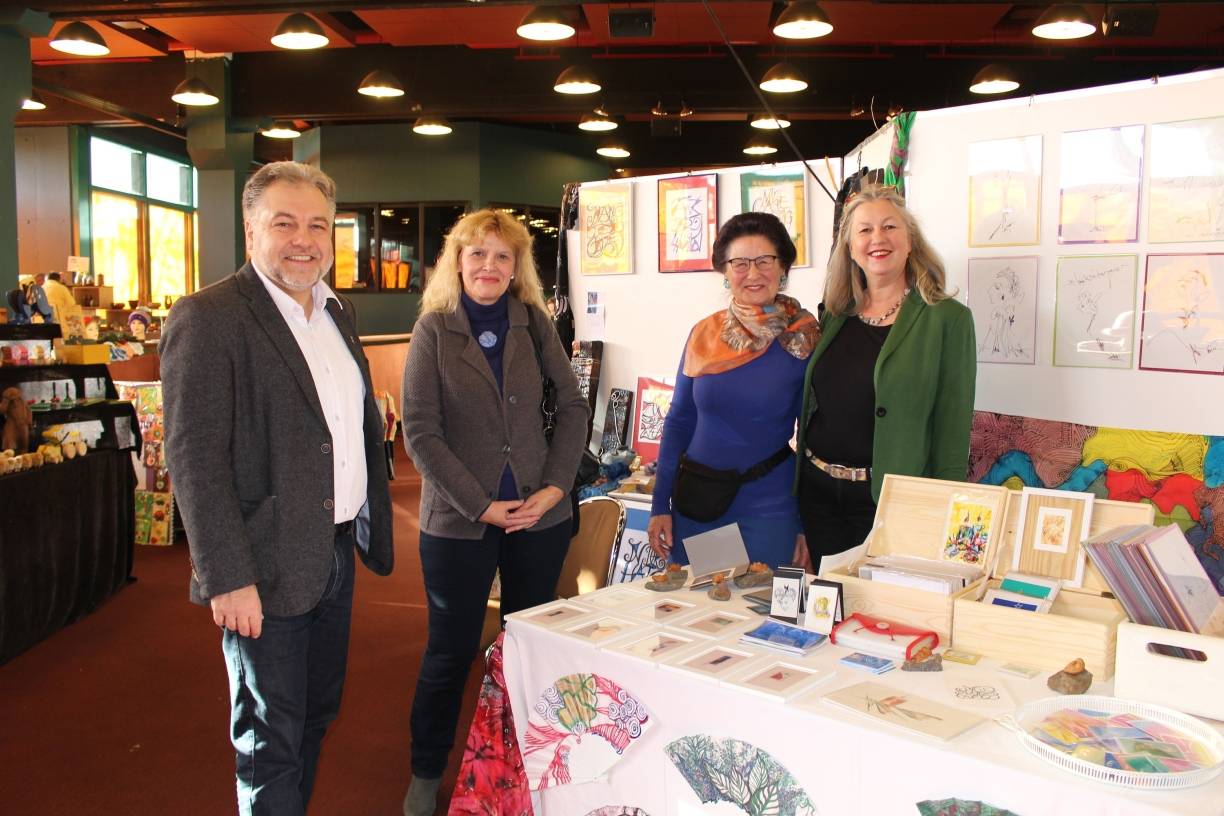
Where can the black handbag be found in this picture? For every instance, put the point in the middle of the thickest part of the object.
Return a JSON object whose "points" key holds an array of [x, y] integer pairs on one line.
{"points": [[703, 493]]}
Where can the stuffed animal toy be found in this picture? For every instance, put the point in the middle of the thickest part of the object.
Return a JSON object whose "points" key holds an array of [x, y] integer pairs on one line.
{"points": [[17, 420]]}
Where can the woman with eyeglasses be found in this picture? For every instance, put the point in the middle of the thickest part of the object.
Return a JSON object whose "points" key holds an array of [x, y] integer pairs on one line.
{"points": [[725, 455], [889, 388]]}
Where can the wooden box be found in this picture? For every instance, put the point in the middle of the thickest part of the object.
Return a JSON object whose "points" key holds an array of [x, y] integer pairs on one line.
{"points": [[1192, 686], [1082, 622], [84, 353], [911, 520]]}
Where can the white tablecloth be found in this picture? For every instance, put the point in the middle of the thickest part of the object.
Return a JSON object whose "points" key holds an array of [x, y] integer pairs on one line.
{"points": [[847, 764]]}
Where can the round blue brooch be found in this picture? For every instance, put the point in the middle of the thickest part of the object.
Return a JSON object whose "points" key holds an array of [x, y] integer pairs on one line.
{"points": [[487, 339]]}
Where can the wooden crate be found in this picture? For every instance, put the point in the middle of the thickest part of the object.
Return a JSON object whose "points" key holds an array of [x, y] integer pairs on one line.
{"points": [[1082, 622], [1192, 686], [911, 520]]}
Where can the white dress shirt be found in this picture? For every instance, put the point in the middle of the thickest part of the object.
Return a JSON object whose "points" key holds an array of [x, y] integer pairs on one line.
{"points": [[340, 387]]}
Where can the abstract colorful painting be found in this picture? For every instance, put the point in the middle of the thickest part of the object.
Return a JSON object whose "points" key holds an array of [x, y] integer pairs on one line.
{"points": [[782, 194], [688, 222], [653, 402], [737, 772], [1182, 475], [605, 218], [579, 728]]}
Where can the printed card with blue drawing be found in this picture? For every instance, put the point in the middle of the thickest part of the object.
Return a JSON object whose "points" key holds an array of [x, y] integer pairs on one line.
{"points": [[868, 663], [783, 637]]}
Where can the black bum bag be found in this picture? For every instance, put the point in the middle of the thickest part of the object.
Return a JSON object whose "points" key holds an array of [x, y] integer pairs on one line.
{"points": [[703, 493]]}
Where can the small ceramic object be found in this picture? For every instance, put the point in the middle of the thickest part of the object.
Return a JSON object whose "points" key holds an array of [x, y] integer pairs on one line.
{"points": [[758, 574], [719, 591], [923, 661], [669, 580], [1074, 679]]}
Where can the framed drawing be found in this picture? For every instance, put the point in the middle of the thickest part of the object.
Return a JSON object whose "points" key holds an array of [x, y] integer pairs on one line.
{"points": [[605, 219], [665, 610], [1005, 192], [632, 559], [779, 679], [653, 402], [617, 596], [652, 647], [1182, 326], [552, 615], [783, 194], [1094, 308], [716, 623], [688, 222], [1186, 182], [1003, 300], [713, 661], [1051, 526], [601, 630], [1098, 196]]}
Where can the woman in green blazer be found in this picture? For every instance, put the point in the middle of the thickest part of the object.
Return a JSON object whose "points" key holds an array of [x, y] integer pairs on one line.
{"points": [[889, 388]]}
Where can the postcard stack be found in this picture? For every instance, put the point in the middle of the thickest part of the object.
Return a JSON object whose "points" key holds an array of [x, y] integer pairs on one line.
{"points": [[783, 637], [943, 577], [1156, 576]]}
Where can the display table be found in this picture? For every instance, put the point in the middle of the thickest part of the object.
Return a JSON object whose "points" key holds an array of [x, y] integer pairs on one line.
{"points": [[845, 763], [66, 543]]}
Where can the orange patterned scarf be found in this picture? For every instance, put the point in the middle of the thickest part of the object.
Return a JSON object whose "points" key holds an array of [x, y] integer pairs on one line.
{"points": [[740, 334]]}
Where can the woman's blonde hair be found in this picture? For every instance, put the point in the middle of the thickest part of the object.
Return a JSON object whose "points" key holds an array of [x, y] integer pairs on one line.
{"points": [[846, 285], [442, 291]]}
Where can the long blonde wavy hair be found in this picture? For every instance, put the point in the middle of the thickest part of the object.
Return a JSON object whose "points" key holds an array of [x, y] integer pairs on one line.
{"points": [[442, 291], [846, 285]]}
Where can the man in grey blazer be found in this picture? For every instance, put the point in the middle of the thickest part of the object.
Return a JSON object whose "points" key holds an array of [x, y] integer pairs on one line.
{"points": [[275, 445]]}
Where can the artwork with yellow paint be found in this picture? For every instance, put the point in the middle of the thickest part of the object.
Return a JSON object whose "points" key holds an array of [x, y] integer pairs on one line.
{"points": [[1182, 326], [968, 530], [1099, 186], [605, 216], [1005, 192], [1051, 526]]}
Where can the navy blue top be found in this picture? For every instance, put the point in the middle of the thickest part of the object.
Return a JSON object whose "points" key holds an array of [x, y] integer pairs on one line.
{"points": [[490, 325], [734, 420]]}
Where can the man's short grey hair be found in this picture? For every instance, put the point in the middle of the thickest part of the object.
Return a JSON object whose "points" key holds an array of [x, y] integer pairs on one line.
{"points": [[287, 171]]}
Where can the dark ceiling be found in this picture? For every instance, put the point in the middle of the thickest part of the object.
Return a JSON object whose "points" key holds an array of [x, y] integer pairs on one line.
{"points": [[463, 60]]}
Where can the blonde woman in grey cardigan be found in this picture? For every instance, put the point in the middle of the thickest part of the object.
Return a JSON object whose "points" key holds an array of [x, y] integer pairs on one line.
{"points": [[494, 492]]}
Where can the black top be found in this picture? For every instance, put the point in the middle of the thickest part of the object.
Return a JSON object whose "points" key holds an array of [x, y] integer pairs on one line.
{"points": [[842, 429], [490, 324]]}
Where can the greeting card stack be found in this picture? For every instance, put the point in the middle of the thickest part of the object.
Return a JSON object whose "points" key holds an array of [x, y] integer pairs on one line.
{"points": [[783, 637]]}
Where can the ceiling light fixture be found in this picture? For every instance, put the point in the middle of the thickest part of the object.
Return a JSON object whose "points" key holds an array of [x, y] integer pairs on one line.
{"points": [[994, 79], [32, 102], [281, 130], [299, 32], [763, 121], [802, 20], [432, 126], [194, 93], [760, 145], [576, 80], [80, 40], [545, 24], [783, 78], [380, 84], [1065, 21], [613, 150], [597, 121]]}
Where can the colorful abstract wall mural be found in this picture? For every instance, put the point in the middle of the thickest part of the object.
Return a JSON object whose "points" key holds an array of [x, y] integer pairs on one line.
{"points": [[1182, 475]]}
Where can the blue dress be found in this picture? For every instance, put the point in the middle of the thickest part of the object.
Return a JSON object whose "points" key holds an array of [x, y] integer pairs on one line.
{"points": [[734, 420]]}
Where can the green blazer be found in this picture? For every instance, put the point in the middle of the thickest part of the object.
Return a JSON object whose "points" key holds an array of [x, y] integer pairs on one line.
{"points": [[924, 381]]}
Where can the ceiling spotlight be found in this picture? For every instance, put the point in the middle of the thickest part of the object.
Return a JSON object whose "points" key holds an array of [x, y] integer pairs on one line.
{"points": [[1065, 21], [432, 126], [281, 130], [80, 39], [597, 121], [380, 84], [613, 150], [994, 79], [194, 93], [856, 110], [545, 23], [760, 145], [576, 80], [802, 20], [299, 32], [683, 112], [764, 121], [32, 102], [783, 78]]}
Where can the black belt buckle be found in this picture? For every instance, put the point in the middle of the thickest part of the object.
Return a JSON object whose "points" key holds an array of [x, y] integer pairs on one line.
{"points": [[344, 528]]}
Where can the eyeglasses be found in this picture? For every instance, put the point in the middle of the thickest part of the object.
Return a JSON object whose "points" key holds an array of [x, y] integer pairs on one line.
{"points": [[764, 263]]}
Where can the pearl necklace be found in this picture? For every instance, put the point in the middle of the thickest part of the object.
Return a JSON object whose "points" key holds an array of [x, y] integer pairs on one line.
{"points": [[892, 310]]}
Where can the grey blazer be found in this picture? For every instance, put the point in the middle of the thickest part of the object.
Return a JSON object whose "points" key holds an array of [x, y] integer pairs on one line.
{"points": [[249, 451], [461, 431]]}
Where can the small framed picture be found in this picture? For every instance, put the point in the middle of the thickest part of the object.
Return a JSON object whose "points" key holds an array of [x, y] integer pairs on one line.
{"points": [[599, 630], [653, 647], [665, 610], [779, 679], [551, 615], [787, 599], [824, 606], [1051, 526], [712, 662], [715, 623], [618, 596]]}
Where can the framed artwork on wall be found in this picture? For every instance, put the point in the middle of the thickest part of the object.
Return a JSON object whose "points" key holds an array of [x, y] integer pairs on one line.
{"points": [[1098, 196], [1182, 325], [1005, 192], [1094, 307], [605, 219], [783, 194], [688, 222], [1051, 526], [1186, 189], [653, 402], [1003, 298]]}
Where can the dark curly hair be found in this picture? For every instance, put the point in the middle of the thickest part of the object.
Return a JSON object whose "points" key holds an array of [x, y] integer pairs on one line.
{"points": [[763, 224]]}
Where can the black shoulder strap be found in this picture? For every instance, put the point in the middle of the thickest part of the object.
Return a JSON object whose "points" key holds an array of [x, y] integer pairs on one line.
{"points": [[535, 339]]}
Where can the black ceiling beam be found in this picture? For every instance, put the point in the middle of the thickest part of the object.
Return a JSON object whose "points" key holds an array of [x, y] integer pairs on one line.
{"points": [[110, 109]]}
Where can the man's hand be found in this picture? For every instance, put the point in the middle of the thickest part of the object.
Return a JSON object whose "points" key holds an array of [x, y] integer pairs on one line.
{"points": [[534, 508], [239, 611], [659, 534]]}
